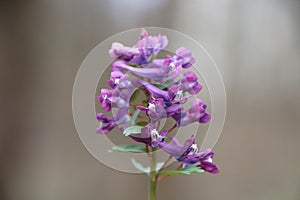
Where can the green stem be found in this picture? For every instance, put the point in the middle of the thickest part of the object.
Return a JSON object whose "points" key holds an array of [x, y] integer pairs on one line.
{"points": [[153, 176]]}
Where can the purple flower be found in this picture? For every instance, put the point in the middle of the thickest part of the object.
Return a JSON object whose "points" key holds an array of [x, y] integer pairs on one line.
{"points": [[197, 112], [175, 64], [118, 79], [143, 34], [175, 93], [176, 150], [149, 45], [113, 98], [189, 154], [118, 50], [185, 57], [105, 99], [145, 47], [205, 159], [120, 117], [189, 84], [159, 70], [155, 91], [154, 73], [171, 69], [167, 95], [157, 110], [150, 136], [106, 123]]}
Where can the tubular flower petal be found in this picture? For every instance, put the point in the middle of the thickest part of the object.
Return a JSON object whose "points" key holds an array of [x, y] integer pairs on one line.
{"points": [[120, 117], [196, 113], [205, 158], [184, 56], [157, 109], [176, 150], [105, 99], [155, 91], [112, 98], [118, 79], [189, 154], [153, 73], [118, 50], [145, 47], [150, 136]]}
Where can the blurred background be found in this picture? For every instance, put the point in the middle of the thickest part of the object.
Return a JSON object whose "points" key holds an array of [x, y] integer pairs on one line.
{"points": [[256, 45]]}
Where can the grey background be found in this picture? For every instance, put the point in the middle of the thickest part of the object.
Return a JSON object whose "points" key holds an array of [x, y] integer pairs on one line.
{"points": [[255, 43]]}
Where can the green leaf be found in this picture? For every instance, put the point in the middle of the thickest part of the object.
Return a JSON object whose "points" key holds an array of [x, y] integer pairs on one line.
{"points": [[142, 123], [132, 64], [160, 86], [146, 170], [167, 140], [134, 96], [140, 167], [153, 57], [187, 170], [158, 166], [130, 148], [168, 82], [163, 85], [134, 116], [132, 130], [145, 103]]}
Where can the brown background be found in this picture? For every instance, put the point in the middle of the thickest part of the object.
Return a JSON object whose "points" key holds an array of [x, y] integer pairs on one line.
{"points": [[255, 43]]}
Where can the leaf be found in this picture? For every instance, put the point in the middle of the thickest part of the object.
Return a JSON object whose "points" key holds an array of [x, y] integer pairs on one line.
{"points": [[168, 82], [130, 148], [145, 103], [153, 57], [132, 130], [134, 116], [140, 167], [167, 140], [158, 166], [160, 86], [163, 85], [134, 96], [146, 170], [132, 64], [187, 170], [142, 123]]}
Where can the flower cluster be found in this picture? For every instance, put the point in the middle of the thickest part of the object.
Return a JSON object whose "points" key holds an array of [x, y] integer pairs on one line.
{"points": [[166, 88]]}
